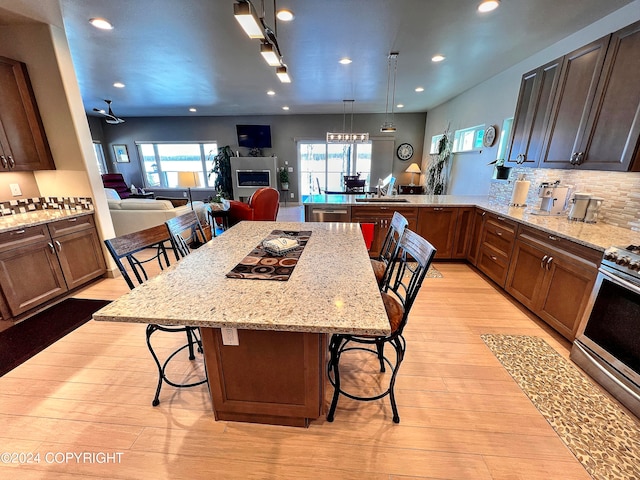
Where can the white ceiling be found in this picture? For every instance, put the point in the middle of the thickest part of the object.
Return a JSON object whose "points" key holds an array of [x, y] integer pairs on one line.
{"points": [[175, 54]]}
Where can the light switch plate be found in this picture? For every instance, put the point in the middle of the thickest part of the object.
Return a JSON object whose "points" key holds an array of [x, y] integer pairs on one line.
{"points": [[290, 169], [15, 189], [229, 336]]}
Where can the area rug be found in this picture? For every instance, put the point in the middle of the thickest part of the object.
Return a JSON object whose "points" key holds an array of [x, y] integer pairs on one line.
{"points": [[602, 436], [22, 341], [259, 264], [433, 272]]}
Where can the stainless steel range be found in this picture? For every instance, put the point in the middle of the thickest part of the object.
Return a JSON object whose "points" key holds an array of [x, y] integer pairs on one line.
{"points": [[608, 343]]}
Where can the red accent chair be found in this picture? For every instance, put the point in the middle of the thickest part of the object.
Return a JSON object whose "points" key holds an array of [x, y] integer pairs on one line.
{"points": [[116, 182], [263, 205]]}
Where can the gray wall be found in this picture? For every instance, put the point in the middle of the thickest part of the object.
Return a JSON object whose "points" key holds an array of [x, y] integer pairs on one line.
{"points": [[285, 130]]}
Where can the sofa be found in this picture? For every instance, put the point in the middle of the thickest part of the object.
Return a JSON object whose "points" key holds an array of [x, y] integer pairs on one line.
{"points": [[134, 214]]}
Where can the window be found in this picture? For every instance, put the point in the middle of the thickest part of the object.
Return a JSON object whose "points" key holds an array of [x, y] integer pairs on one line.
{"points": [[162, 162], [468, 139], [325, 164], [102, 164], [434, 144]]}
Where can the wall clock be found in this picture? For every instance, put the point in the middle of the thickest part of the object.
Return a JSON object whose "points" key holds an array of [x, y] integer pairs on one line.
{"points": [[405, 151], [489, 136]]}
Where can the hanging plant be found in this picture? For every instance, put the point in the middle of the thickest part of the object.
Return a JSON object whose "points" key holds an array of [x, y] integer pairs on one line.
{"points": [[221, 167], [437, 174]]}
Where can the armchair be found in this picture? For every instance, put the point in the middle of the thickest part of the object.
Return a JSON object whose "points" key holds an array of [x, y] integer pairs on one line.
{"points": [[263, 205]]}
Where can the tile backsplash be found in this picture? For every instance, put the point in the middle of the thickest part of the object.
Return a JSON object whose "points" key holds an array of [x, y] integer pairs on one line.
{"points": [[620, 190], [25, 205]]}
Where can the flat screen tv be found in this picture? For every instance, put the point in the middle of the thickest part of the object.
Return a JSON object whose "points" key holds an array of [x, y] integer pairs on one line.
{"points": [[254, 136]]}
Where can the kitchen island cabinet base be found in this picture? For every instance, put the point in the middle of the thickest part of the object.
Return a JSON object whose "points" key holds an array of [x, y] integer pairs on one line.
{"points": [[272, 377]]}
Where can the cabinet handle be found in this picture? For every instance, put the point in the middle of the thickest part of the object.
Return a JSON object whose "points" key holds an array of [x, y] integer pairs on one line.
{"points": [[12, 162], [520, 159], [501, 218], [437, 209], [58, 245], [494, 258], [4, 161], [51, 248], [579, 158], [572, 160], [543, 260], [499, 234], [549, 263], [484, 213], [18, 232], [71, 220], [551, 237]]}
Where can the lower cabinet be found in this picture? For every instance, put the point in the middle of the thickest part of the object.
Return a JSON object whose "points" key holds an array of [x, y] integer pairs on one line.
{"points": [[477, 222], [497, 236], [380, 217], [40, 263], [438, 226], [552, 277]]}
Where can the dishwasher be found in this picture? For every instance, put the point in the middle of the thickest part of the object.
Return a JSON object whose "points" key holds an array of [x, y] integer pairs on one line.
{"points": [[325, 213]]}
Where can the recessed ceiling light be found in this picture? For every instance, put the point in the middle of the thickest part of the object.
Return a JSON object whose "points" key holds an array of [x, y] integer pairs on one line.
{"points": [[285, 108], [400, 105], [271, 92], [101, 23], [419, 89], [437, 58], [118, 85], [488, 6], [285, 15], [192, 109], [345, 61]]}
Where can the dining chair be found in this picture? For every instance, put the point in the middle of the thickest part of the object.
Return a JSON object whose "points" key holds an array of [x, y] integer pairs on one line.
{"points": [[263, 205], [186, 233], [406, 271], [389, 246], [137, 250]]}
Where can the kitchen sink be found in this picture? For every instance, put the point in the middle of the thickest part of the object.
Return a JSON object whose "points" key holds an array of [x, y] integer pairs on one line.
{"points": [[383, 200]]}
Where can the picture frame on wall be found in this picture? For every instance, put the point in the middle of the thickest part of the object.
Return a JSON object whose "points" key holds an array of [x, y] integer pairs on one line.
{"points": [[121, 153]]}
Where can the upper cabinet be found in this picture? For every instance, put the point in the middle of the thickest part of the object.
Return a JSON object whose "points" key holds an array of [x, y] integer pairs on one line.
{"points": [[582, 110], [23, 143]]}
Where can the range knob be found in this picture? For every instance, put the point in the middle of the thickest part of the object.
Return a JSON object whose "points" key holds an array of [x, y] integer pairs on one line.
{"points": [[623, 261], [611, 255], [635, 265]]}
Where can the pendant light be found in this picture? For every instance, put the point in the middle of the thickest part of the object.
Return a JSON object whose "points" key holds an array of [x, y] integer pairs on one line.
{"points": [[344, 136], [247, 17], [389, 126]]}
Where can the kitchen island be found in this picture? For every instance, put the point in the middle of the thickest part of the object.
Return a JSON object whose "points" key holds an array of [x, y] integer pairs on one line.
{"points": [[276, 373]]}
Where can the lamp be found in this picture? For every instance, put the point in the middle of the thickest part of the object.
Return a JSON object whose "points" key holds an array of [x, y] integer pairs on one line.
{"points": [[282, 74], [188, 180], [248, 19], [413, 169], [389, 126], [268, 52], [344, 136]]}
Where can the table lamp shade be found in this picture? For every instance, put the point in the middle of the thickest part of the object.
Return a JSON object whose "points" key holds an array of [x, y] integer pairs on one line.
{"points": [[413, 169], [188, 179]]}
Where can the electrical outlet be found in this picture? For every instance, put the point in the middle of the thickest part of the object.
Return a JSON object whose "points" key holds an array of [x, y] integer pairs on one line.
{"points": [[184, 194], [15, 189], [291, 195], [229, 336], [290, 169]]}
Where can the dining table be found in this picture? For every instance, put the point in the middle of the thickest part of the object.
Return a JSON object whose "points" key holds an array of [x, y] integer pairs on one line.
{"points": [[265, 337]]}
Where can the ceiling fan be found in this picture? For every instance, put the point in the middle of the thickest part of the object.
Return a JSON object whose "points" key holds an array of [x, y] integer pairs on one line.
{"points": [[110, 118]]}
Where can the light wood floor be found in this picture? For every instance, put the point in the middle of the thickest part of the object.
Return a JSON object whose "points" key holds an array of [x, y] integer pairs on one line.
{"points": [[462, 416]]}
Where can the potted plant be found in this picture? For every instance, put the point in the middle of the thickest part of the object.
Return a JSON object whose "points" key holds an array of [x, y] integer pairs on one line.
{"points": [[221, 168], [283, 176], [502, 172]]}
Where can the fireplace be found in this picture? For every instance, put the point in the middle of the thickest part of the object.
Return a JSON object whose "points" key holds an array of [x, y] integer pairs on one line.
{"points": [[251, 173], [253, 178]]}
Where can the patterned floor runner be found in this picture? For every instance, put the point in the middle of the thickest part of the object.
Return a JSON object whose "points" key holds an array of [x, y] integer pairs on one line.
{"points": [[602, 436]]}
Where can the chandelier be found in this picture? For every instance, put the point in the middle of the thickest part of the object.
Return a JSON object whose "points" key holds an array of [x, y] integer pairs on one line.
{"points": [[344, 136], [389, 126]]}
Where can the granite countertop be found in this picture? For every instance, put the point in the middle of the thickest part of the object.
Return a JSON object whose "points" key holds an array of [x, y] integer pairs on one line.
{"points": [[37, 217], [326, 293], [596, 235]]}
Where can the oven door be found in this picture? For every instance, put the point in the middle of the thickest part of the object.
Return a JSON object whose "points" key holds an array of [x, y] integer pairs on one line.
{"points": [[608, 343]]}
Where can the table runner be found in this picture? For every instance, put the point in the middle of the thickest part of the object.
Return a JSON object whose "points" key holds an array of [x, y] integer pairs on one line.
{"points": [[261, 265]]}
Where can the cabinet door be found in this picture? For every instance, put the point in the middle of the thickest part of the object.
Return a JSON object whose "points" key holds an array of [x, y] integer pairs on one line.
{"points": [[565, 292], [80, 257], [464, 230], [438, 226], [476, 235], [532, 113], [30, 275], [21, 120], [380, 217], [526, 272], [613, 130], [576, 90]]}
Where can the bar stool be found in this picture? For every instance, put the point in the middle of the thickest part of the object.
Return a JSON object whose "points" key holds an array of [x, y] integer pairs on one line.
{"points": [[402, 281], [389, 246]]}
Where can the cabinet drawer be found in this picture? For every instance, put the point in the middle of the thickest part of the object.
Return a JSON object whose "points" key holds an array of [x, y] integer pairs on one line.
{"points": [[533, 235], [493, 264], [23, 236], [71, 225], [499, 233]]}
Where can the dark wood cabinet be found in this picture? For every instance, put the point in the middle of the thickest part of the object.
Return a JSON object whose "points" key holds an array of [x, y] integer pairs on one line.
{"points": [[477, 223], [576, 91], [411, 189], [23, 142], [532, 114], [438, 226], [552, 277], [464, 230], [495, 245], [40, 263], [380, 216]]}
